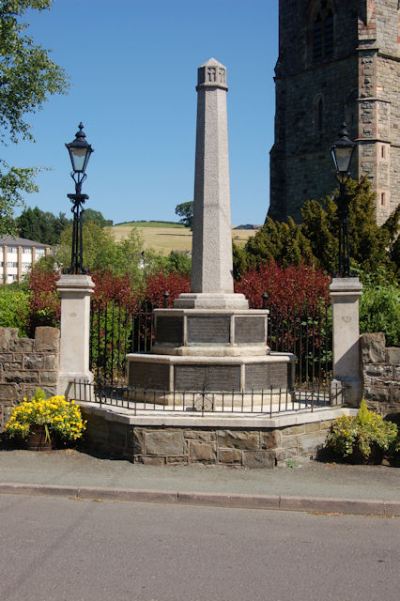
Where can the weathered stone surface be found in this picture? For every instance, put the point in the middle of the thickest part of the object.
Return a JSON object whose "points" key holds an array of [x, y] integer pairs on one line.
{"points": [[238, 439], [47, 339], [200, 435], [164, 443], [33, 361], [51, 362], [293, 430], [19, 376], [8, 392], [149, 460], [373, 348], [259, 459], [7, 336], [48, 377], [313, 427], [271, 440], [24, 345], [201, 451], [230, 456], [393, 355]]}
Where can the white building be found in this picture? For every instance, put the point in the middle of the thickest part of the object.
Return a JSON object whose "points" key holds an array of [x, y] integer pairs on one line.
{"points": [[17, 255]]}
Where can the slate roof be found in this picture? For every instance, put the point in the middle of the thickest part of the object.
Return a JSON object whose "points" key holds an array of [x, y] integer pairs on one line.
{"points": [[13, 241]]}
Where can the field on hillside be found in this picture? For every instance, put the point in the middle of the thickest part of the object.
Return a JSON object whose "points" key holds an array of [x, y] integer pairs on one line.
{"points": [[164, 239]]}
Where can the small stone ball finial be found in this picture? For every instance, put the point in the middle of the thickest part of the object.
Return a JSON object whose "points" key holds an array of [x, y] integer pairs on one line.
{"points": [[212, 74]]}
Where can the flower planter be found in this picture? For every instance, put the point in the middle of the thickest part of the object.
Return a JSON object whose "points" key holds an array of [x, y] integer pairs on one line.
{"points": [[37, 440]]}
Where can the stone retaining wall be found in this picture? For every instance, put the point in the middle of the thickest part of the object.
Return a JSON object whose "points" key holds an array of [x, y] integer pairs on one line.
{"points": [[26, 364], [381, 373], [255, 447]]}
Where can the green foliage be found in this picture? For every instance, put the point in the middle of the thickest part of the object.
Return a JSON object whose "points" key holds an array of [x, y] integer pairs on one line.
{"points": [[179, 262], [103, 253], [27, 76], [315, 240], [361, 438], [96, 217], [60, 418], [185, 212], [14, 308], [380, 311], [13, 182], [41, 226]]}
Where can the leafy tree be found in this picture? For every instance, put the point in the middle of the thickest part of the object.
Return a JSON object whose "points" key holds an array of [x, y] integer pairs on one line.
{"points": [[185, 212], [41, 226], [283, 242], [96, 217], [179, 262], [315, 240], [27, 77], [14, 308]]}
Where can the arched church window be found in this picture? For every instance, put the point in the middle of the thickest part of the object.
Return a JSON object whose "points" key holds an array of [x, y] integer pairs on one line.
{"points": [[322, 27]]}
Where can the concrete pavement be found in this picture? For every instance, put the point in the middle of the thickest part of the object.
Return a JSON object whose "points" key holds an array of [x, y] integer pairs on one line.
{"points": [[302, 487]]}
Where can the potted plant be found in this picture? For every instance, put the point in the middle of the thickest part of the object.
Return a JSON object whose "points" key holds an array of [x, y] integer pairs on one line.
{"points": [[41, 422]]}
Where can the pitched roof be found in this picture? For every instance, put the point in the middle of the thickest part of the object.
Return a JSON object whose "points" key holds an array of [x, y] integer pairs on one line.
{"points": [[13, 241]]}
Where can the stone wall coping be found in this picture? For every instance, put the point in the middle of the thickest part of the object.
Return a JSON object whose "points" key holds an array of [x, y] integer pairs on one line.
{"points": [[200, 360], [345, 286], [254, 422], [70, 282]]}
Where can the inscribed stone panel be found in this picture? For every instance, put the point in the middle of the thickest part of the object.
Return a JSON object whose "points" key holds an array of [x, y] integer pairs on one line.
{"points": [[216, 378], [149, 375], [212, 330], [261, 376], [249, 329], [169, 330]]}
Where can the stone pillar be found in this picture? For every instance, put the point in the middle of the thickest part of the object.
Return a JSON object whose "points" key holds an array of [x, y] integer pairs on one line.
{"points": [[212, 279], [75, 292], [345, 295]]}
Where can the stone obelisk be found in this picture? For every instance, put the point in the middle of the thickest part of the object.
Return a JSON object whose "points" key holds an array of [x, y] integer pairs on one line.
{"points": [[210, 341], [212, 280]]}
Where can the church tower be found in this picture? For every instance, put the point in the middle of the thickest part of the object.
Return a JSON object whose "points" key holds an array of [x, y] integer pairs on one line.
{"points": [[339, 60]]}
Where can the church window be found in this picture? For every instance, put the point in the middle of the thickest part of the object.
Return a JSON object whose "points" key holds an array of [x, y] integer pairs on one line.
{"points": [[322, 31], [383, 199]]}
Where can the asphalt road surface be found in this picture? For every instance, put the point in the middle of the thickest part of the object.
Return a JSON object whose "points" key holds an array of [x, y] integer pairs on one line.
{"points": [[56, 549]]}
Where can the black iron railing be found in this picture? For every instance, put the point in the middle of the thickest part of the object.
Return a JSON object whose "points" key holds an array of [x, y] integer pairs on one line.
{"points": [[117, 330], [266, 402]]}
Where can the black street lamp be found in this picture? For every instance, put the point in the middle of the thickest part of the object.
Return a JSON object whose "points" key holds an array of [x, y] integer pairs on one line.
{"points": [[79, 152], [342, 153]]}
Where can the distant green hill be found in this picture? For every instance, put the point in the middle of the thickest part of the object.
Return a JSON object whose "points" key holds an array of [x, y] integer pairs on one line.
{"points": [[150, 224]]}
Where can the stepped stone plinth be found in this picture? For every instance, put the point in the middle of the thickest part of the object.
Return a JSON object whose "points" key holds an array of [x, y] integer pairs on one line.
{"points": [[210, 341]]}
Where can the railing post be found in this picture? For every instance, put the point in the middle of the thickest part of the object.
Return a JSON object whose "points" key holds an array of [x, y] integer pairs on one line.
{"points": [[75, 292], [345, 294]]}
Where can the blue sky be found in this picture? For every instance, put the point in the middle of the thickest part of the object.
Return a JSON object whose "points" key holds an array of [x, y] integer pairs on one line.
{"points": [[132, 66]]}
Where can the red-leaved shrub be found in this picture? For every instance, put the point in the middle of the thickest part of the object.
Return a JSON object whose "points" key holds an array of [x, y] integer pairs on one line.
{"points": [[291, 290], [160, 283], [109, 287], [45, 304]]}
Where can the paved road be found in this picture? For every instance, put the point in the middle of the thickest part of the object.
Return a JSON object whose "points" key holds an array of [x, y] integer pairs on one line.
{"points": [[56, 549]]}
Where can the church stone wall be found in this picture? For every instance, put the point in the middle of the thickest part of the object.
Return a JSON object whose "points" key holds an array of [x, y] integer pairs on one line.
{"points": [[358, 83]]}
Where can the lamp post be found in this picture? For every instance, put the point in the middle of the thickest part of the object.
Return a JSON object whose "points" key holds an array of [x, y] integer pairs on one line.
{"points": [[342, 153], [79, 152]]}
